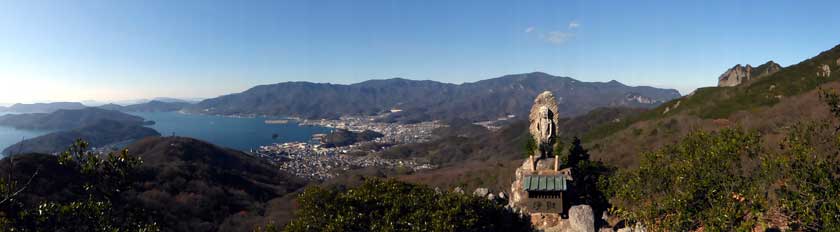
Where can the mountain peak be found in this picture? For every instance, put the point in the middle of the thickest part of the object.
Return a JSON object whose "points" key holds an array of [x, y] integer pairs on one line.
{"points": [[740, 74], [538, 74]]}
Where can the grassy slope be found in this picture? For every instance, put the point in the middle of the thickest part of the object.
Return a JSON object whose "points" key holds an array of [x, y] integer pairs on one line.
{"points": [[765, 104], [490, 158]]}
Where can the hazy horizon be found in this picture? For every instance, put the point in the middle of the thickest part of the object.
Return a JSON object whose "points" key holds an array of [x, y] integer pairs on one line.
{"points": [[118, 51], [97, 102]]}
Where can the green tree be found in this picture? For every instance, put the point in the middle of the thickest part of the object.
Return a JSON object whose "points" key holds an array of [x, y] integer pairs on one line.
{"points": [[389, 205], [577, 153], [806, 177], [530, 146], [698, 181], [559, 153], [104, 178]]}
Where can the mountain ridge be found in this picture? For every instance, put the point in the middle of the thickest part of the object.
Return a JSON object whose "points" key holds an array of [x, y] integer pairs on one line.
{"points": [[427, 100]]}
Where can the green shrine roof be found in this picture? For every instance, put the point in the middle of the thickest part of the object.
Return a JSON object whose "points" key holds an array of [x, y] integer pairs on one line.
{"points": [[544, 183]]}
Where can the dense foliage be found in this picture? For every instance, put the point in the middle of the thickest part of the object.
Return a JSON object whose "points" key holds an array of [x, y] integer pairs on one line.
{"points": [[182, 185], [726, 180], [101, 180], [389, 205], [529, 147]]}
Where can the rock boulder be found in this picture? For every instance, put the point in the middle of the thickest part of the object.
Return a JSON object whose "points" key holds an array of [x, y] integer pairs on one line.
{"points": [[581, 218], [481, 192]]}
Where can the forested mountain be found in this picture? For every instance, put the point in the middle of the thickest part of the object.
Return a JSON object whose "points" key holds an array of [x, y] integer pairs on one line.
{"points": [[427, 100]]}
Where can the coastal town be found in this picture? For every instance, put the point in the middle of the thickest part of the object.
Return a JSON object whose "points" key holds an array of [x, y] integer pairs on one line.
{"points": [[312, 160]]}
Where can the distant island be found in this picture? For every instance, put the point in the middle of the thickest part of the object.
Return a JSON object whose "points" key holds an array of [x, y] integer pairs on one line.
{"points": [[151, 106], [67, 119], [102, 133], [42, 107], [97, 126]]}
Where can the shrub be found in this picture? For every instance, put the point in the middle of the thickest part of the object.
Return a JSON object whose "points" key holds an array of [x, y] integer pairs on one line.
{"points": [[389, 205], [699, 181]]}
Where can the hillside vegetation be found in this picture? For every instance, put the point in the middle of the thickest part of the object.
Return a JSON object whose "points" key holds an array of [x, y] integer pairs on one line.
{"points": [[173, 183], [471, 156], [765, 104], [388, 205], [730, 181]]}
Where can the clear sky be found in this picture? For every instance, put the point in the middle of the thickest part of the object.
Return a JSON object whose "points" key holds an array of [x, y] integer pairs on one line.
{"points": [[68, 50]]}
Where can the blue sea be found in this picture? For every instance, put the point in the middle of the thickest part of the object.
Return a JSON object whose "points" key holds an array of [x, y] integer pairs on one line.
{"points": [[237, 133], [10, 136]]}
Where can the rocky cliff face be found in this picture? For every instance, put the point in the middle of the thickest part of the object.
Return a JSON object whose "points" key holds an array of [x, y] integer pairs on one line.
{"points": [[824, 71], [740, 74]]}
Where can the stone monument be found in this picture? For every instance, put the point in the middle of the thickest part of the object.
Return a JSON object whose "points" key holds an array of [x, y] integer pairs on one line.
{"points": [[539, 189], [543, 128]]}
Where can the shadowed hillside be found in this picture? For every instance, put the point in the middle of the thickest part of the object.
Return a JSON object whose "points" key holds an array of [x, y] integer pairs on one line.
{"points": [[197, 186], [183, 184]]}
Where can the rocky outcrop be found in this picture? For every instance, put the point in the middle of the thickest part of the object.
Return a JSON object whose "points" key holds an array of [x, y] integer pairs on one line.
{"points": [[734, 76], [581, 218], [740, 74], [638, 98], [669, 108], [824, 71]]}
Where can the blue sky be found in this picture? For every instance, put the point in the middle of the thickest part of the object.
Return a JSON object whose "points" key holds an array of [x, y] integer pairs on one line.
{"points": [[119, 50]]}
